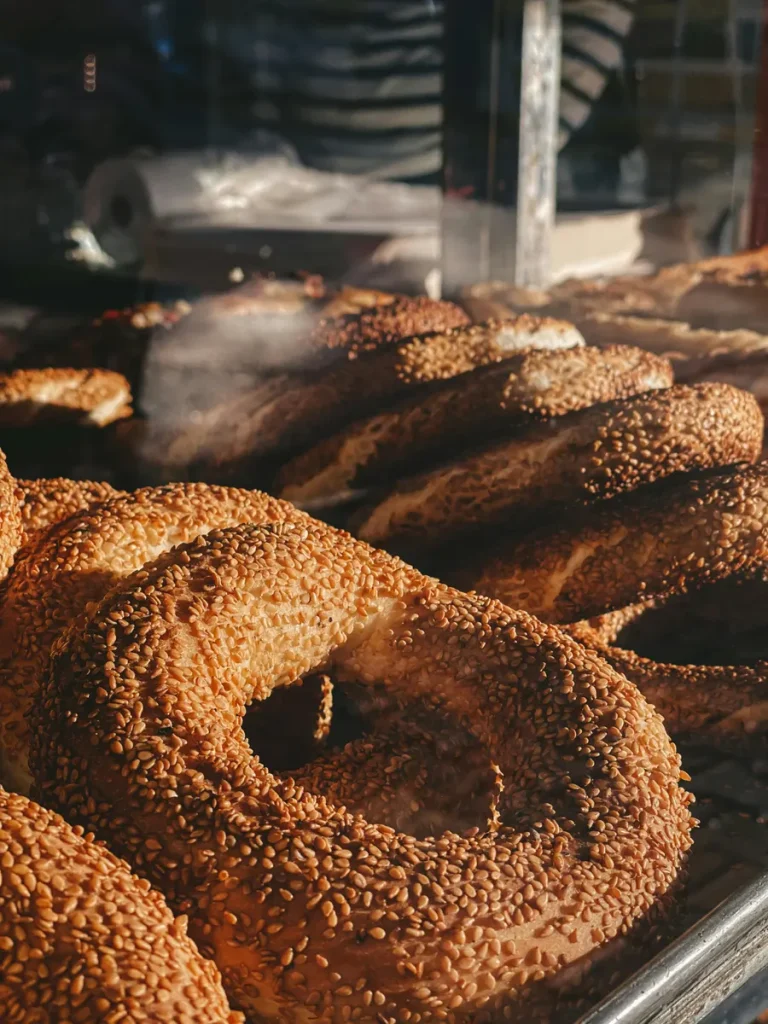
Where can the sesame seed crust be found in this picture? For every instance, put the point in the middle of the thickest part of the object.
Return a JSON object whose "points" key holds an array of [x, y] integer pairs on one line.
{"points": [[48, 501], [438, 357], [82, 939], [92, 398], [660, 540], [314, 913], [532, 385], [366, 329], [598, 452], [727, 705], [664, 540], [286, 411], [72, 566], [10, 510], [439, 777]]}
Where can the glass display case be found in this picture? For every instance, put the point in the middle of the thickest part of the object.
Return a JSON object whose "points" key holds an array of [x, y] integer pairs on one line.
{"points": [[484, 287]]}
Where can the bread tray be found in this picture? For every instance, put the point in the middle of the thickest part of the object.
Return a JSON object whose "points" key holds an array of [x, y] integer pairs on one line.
{"points": [[717, 970]]}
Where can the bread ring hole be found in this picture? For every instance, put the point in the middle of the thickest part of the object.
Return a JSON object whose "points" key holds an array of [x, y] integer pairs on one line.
{"points": [[724, 623], [298, 723], [413, 768]]}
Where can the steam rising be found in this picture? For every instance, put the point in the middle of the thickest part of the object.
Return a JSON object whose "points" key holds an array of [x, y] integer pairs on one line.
{"points": [[248, 344]]}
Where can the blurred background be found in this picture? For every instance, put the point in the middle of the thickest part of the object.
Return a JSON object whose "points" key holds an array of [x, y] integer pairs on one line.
{"points": [[156, 146]]}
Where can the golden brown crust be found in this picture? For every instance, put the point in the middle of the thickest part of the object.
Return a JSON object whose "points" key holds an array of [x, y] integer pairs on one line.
{"points": [[533, 385], [735, 266], [371, 327], [749, 374], [74, 564], [439, 357], [648, 295], [93, 398], [82, 939], [595, 453], [721, 293], [725, 704], [692, 350], [736, 357], [438, 776], [349, 301], [10, 512], [267, 296], [48, 501], [575, 297], [138, 733], [289, 410], [658, 541]]}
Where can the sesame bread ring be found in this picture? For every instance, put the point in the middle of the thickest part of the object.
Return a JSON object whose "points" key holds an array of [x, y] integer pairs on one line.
{"points": [[315, 913], [367, 328], [10, 516], [349, 300], [723, 701], [93, 398], [73, 565], [48, 501], [532, 385], [693, 350], [82, 939], [658, 541], [286, 411], [594, 453], [724, 291]]}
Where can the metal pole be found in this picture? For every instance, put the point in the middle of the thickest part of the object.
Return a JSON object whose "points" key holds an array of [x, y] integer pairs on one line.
{"points": [[494, 91], [758, 234], [742, 160], [676, 133], [537, 176]]}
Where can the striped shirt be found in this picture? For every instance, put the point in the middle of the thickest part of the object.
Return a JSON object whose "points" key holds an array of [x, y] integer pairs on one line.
{"points": [[594, 32], [356, 85]]}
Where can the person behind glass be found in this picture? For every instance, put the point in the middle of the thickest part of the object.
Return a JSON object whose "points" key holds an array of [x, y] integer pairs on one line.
{"points": [[358, 88]]}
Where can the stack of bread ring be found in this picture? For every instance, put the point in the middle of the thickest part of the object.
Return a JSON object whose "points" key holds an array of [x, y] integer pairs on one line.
{"points": [[481, 816], [585, 483], [710, 317], [160, 870]]}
